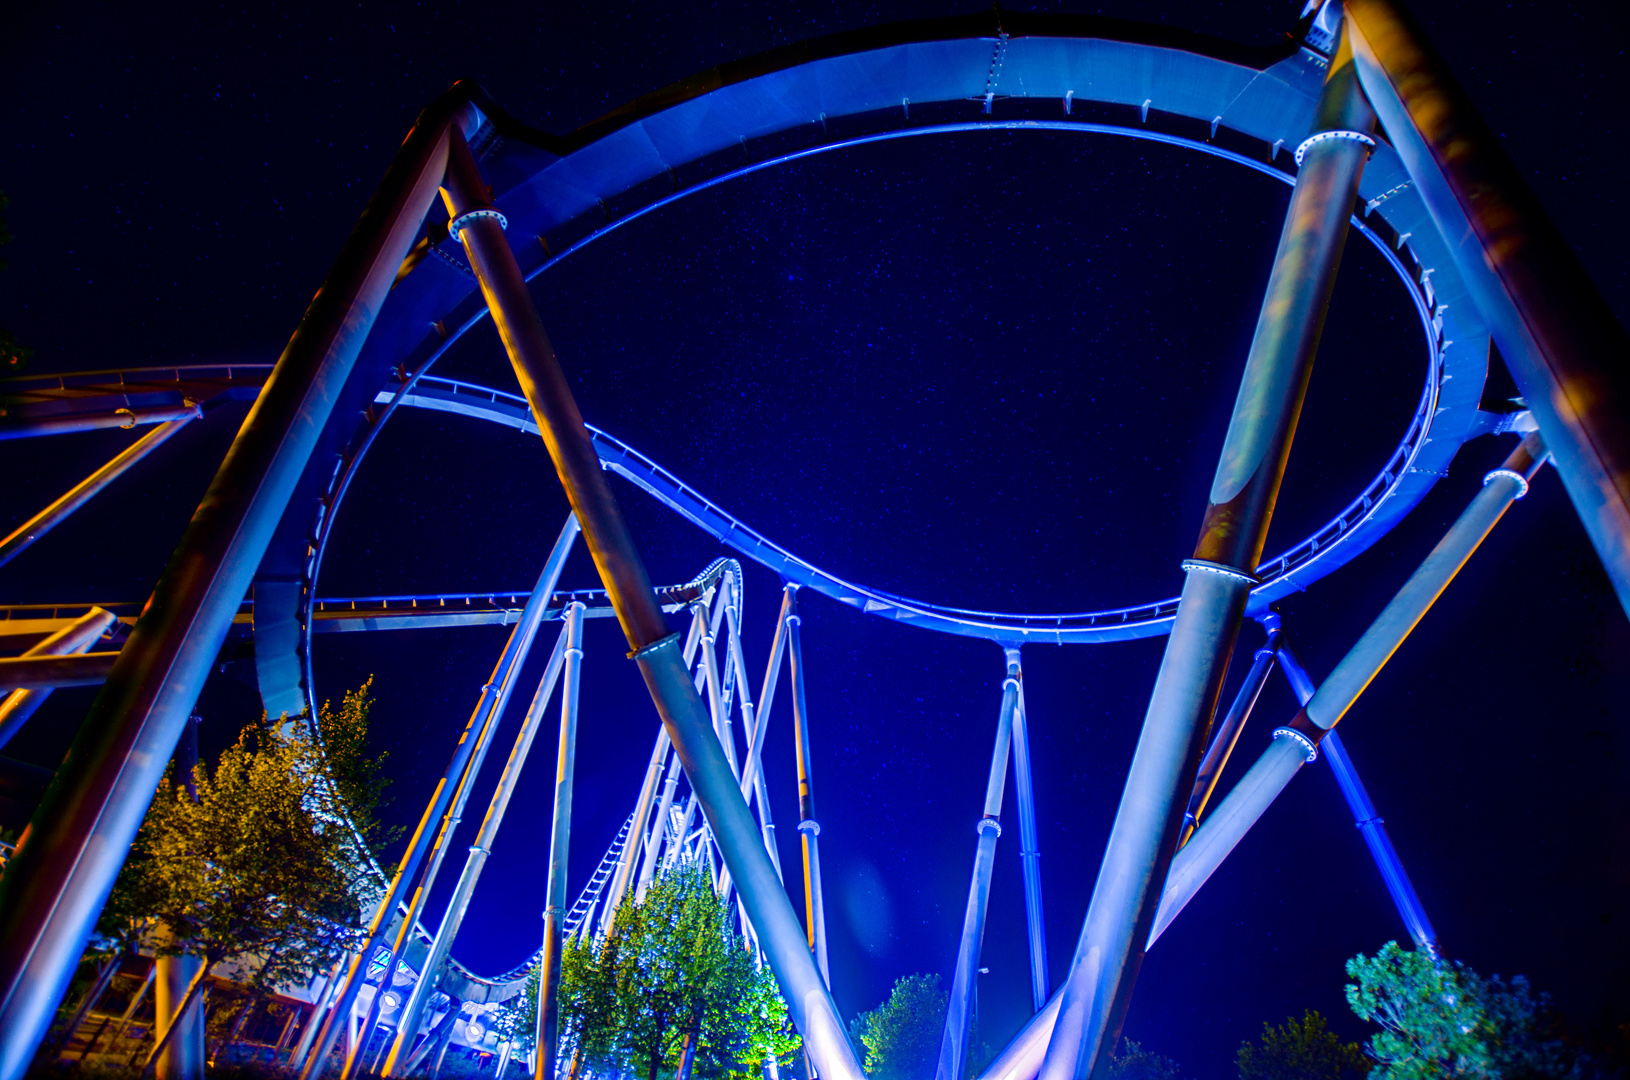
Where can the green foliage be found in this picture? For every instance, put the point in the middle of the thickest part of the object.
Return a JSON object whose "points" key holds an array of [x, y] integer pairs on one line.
{"points": [[1133, 1062], [262, 865], [1446, 1020], [902, 1035], [671, 975], [1304, 1049], [359, 776]]}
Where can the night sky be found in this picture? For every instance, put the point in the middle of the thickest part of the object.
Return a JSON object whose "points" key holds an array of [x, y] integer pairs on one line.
{"points": [[992, 370]]}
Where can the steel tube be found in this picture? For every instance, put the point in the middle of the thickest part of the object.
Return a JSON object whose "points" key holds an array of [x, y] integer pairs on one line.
{"points": [[118, 418], [1369, 822], [51, 672], [407, 1024], [657, 652], [556, 899], [1294, 744], [1569, 355], [624, 873], [1029, 853], [809, 826], [455, 780], [51, 896], [1223, 742], [1114, 934], [960, 1006], [81, 493], [81, 634]]}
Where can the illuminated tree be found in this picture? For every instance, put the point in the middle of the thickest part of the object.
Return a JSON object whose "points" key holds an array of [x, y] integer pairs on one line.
{"points": [[902, 1035], [263, 867], [1303, 1049], [672, 987], [1446, 1020]]}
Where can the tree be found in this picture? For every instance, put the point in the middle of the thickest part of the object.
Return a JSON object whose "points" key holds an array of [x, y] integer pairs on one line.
{"points": [[262, 868], [1443, 1019], [1303, 1049], [1133, 1062], [358, 774], [671, 987], [902, 1035]]}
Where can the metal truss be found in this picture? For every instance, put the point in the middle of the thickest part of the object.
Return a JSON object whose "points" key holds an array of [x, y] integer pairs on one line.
{"points": [[1358, 116]]}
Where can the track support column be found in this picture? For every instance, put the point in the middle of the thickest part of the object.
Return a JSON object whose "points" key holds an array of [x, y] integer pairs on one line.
{"points": [[954, 1041], [53, 892], [547, 1036], [1297, 743], [480, 229], [1030, 853], [809, 826], [1365, 816], [1220, 576]]}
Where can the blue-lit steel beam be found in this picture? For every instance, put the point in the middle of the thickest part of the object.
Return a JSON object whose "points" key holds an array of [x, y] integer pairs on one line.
{"points": [[97, 421], [809, 826], [81, 493], [427, 840], [954, 1040], [1220, 576], [81, 634], [54, 890], [1296, 743], [656, 650], [547, 1034], [407, 1024], [1369, 822], [1030, 852], [1569, 355], [1227, 735]]}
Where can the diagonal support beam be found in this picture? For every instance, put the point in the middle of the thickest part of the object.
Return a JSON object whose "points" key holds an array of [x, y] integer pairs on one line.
{"points": [[1569, 355], [1030, 852], [1110, 949], [1369, 822], [954, 1041], [479, 228], [82, 492], [53, 892]]}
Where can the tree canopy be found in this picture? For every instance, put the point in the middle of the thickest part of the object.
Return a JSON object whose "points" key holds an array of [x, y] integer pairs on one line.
{"points": [[671, 988], [259, 860], [1304, 1049], [1443, 1019], [902, 1035]]}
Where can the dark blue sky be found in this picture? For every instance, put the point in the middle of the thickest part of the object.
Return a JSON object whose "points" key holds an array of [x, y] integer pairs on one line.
{"points": [[990, 370]]}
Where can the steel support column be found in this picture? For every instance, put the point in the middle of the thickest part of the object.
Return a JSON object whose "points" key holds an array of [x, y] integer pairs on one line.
{"points": [[954, 1040], [52, 893], [624, 874], [1569, 355], [81, 493], [455, 780], [1029, 853], [1130, 879], [19, 705], [1369, 822], [1296, 743], [1227, 735], [809, 826], [547, 1035], [407, 1024], [653, 646]]}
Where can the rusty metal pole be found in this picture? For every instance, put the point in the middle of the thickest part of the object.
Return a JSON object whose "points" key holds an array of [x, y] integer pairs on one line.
{"points": [[480, 228], [1220, 575]]}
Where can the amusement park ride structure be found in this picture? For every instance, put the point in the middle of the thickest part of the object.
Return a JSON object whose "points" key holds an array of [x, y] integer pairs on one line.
{"points": [[1357, 115]]}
